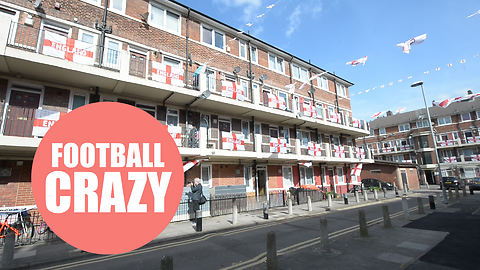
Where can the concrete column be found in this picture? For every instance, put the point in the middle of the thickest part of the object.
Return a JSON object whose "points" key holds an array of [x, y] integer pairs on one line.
{"points": [[8, 249], [387, 223], [406, 212], [328, 152], [235, 215], [298, 150], [357, 199], [258, 143], [362, 220], [290, 208], [309, 203], [167, 263], [203, 140], [324, 241], [256, 96], [421, 209]]}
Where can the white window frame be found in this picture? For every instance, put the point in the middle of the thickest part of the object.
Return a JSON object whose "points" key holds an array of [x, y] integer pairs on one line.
{"points": [[469, 117], [211, 79], [301, 73], [285, 97], [213, 32], [322, 82], [253, 54], [248, 178], [382, 131], [276, 66], [170, 59], [404, 127], [163, 25], [341, 90], [124, 6], [444, 120], [242, 47], [244, 85], [209, 168], [73, 94], [422, 124], [177, 115], [287, 183], [147, 108], [105, 54], [93, 2]]}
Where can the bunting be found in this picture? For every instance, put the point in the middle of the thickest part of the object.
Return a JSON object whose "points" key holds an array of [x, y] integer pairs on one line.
{"points": [[414, 41], [446, 102], [357, 170]]}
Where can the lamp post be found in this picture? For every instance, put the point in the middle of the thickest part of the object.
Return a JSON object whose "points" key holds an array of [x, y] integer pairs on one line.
{"points": [[420, 83]]}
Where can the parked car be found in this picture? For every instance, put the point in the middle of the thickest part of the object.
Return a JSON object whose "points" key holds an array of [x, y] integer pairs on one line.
{"points": [[475, 183], [372, 182], [451, 182]]}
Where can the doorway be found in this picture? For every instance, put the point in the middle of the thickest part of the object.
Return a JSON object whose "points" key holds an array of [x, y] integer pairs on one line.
{"points": [[262, 180]]}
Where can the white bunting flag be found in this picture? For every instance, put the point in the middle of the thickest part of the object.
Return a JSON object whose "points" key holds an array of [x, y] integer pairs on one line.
{"points": [[476, 13], [377, 114], [446, 102], [358, 61]]}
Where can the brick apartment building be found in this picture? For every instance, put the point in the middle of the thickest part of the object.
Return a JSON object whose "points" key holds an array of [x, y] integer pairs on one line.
{"points": [[406, 138], [235, 114]]}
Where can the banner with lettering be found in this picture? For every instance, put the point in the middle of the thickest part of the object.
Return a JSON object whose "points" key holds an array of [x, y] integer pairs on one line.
{"points": [[69, 49], [167, 74], [44, 119]]}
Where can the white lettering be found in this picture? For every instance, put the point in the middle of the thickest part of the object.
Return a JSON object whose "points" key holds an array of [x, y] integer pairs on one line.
{"points": [[87, 155], [133, 156], [85, 184], [134, 205], [56, 154], [112, 181], [51, 192], [117, 158], [71, 155], [159, 189], [102, 147]]}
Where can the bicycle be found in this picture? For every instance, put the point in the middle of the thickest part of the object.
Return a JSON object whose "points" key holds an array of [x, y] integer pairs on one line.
{"points": [[43, 228], [5, 226], [17, 217]]}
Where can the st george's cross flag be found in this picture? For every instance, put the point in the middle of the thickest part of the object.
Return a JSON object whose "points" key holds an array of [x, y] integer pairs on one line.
{"points": [[167, 74], [69, 49], [358, 61], [232, 90], [446, 102], [414, 41]]}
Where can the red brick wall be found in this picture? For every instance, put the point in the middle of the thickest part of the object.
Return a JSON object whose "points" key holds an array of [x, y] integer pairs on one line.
{"points": [[16, 189], [389, 174]]}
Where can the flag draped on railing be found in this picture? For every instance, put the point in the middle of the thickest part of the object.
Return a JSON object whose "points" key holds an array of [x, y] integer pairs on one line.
{"points": [[314, 149], [278, 146], [232, 141]]}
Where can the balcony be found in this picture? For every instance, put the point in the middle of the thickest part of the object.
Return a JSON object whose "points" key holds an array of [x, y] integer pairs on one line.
{"points": [[449, 143]]}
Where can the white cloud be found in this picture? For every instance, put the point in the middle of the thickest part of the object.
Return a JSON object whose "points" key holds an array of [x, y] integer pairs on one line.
{"points": [[250, 7], [294, 21]]}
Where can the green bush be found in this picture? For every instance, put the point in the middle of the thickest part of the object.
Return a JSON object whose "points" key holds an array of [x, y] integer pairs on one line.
{"points": [[377, 188], [334, 195]]}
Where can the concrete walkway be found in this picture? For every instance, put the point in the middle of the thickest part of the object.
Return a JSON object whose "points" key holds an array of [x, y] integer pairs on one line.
{"points": [[400, 246]]}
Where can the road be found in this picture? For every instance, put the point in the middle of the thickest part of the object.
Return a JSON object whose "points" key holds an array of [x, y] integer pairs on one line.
{"points": [[242, 248]]}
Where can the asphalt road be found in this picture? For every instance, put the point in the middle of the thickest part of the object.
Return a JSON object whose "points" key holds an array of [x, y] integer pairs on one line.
{"points": [[459, 250], [242, 248]]}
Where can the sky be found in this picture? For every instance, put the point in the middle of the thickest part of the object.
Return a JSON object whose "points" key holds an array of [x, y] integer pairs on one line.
{"points": [[331, 33]]}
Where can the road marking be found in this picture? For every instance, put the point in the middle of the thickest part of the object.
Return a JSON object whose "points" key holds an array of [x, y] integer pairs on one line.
{"points": [[227, 233]]}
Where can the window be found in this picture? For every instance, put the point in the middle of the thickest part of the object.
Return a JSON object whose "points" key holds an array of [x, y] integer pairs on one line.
{"points": [[423, 123], [273, 132], [172, 117], [242, 49], [147, 108], [163, 18], [254, 54], [382, 131], [322, 82], [284, 96], [210, 80], [372, 132], [275, 63], [77, 100], [206, 175], [247, 176], [172, 62], [341, 90], [299, 73], [118, 5], [212, 37], [444, 120], [466, 117], [286, 134], [304, 137], [340, 176], [246, 130], [404, 127], [306, 176], [287, 177]]}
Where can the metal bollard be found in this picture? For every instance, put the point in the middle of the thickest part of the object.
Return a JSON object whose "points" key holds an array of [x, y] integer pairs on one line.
{"points": [[272, 262], [290, 208], [324, 242], [396, 192], [8, 249], [421, 209], [464, 191], [471, 190], [198, 220], [365, 195], [362, 220], [457, 193], [431, 200], [345, 198], [309, 203], [235, 215], [167, 263], [265, 210], [385, 193], [329, 201], [406, 212], [357, 198], [375, 194], [387, 223]]}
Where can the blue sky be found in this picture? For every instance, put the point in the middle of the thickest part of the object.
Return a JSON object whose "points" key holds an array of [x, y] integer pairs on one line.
{"points": [[331, 33]]}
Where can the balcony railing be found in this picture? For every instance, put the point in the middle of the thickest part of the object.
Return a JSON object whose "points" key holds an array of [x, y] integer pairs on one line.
{"points": [[19, 121]]}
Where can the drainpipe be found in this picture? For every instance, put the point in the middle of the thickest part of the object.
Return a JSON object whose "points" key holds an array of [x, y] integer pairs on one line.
{"points": [[255, 177], [251, 73], [346, 176], [253, 124], [187, 54], [336, 94], [104, 30]]}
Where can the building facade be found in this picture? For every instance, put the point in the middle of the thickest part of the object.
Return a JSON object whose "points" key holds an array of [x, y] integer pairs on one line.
{"points": [[406, 137], [221, 93]]}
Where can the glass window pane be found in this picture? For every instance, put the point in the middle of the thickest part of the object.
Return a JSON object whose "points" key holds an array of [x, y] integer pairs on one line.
{"points": [[117, 4], [254, 54], [87, 38], [271, 61], [304, 75], [207, 35], [218, 40], [280, 64], [172, 22], [156, 16], [112, 52], [296, 72], [242, 50], [172, 120]]}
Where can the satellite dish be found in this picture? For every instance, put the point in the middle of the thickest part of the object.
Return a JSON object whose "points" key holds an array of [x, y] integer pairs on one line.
{"points": [[263, 77], [144, 16], [236, 70], [37, 4], [206, 94]]}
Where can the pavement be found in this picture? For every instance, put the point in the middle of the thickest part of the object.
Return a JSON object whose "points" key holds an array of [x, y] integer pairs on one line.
{"points": [[385, 248]]}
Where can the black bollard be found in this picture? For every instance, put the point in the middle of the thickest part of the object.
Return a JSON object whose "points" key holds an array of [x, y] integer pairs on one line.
{"points": [[431, 200], [345, 198], [198, 219], [396, 192], [166, 263], [272, 261], [471, 190]]}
